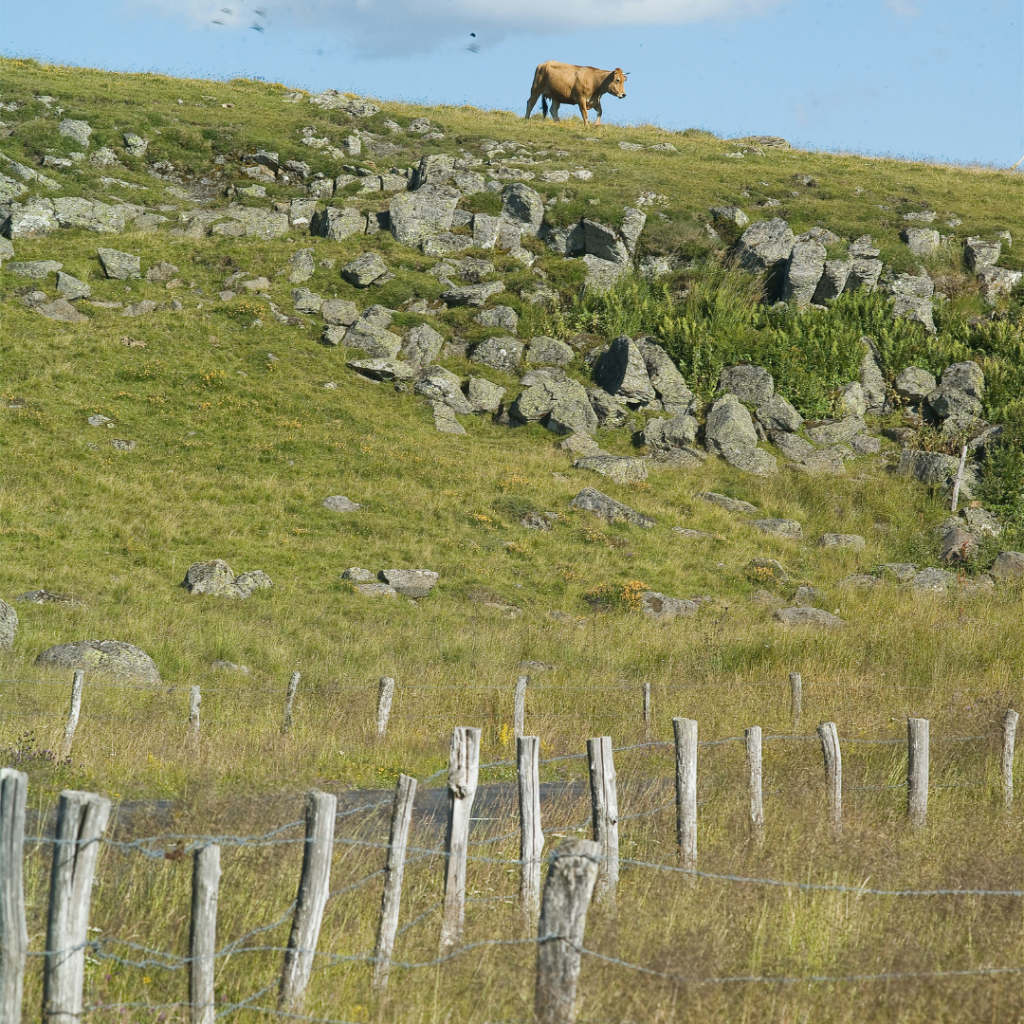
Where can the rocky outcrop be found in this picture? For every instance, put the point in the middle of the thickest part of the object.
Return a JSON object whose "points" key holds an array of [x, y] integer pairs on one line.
{"points": [[104, 657], [218, 579]]}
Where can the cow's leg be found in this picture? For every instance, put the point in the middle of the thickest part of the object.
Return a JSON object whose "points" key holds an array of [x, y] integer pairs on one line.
{"points": [[583, 111], [596, 105], [534, 96], [555, 104]]}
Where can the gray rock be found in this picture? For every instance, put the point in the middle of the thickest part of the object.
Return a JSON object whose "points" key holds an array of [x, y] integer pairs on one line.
{"points": [[77, 130], [921, 241], [960, 404], [921, 216], [375, 590], [142, 308], [668, 383], [161, 272], [688, 534], [104, 657], [357, 575], [766, 570], [612, 511], [807, 596], [611, 413], [832, 283], [852, 541], [444, 387], [765, 245], [421, 345], [339, 503], [622, 371], [446, 244], [872, 381], [364, 270], [43, 597], [808, 617], [34, 269], [134, 145], [729, 433], [601, 274], [122, 444], [433, 169], [957, 545], [427, 211], [562, 406], [729, 504], [788, 528], [751, 384], [826, 462], [468, 182], [342, 312], [338, 222], [10, 189], [932, 581], [912, 298], [301, 213], [729, 215], [851, 402], [485, 230], [500, 353], [121, 266], [865, 444], [566, 241], [444, 419], [484, 395], [549, 352], [981, 522], [35, 219], [253, 223], [523, 207], [216, 578], [620, 469], [306, 301], [914, 384], [902, 572], [979, 253], [835, 432], [662, 608], [71, 288], [61, 309], [504, 317], [542, 375], [410, 582], [255, 579], [1009, 566], [633, 222], [579, 445], [803, 272], [604, 242], [678, 432], [384, 369], [8, 625], [935, 468], [472, 294], [369, 333], [778, 414], [994, 282], [793, 447]]}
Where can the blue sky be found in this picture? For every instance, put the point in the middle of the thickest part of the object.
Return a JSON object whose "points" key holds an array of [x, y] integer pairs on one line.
{"points": [[925, 79]]}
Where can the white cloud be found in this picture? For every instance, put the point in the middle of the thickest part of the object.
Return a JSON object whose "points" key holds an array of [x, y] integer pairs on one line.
{"points": [[411, 26], [904, 8]]}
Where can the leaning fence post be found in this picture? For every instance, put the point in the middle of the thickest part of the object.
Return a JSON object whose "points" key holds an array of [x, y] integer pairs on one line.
{"points": [[572, 873], [81, 821], [519, 717], [1009, 735], [647, 707], [401, 816], [73, 712], [917, 770], [463, 771], [195, 698], [605, 804], [385, 695], [685, 730], [289, 699], [796, 696], [13, 930], [203, 935], [829, 736], [753, 741], [314, 888], [531, 838]]}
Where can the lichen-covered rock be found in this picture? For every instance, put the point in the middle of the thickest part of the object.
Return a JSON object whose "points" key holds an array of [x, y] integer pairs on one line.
{"points": [[814, 618], [779, 414], [1009, 565], [850, 541], [121, 266], [994, 282], [723, 501], [730, 434], [363, 271], [472, 294], [663, 608], [484, 395], [218, 579], [610, 411], [8, 625], [421, 345], [337, 222], [803, 272], [751, 384], [619, 468], [563, 406], [765, 245], [523, 207], [500, 353], [612, 511], [678, 432], [914, 384], [410, 582], [935, 468], [622, 372], [668, 383], [444, 387], [978, 253], [107, 657], [921, 241], [427, 211], [912, 298]]}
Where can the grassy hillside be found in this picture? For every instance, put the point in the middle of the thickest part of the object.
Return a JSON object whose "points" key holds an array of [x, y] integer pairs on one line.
{"points": [[243, 424]]}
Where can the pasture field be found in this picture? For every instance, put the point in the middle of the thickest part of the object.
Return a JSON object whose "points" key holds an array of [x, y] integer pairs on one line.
{"points": [[237, 443]]}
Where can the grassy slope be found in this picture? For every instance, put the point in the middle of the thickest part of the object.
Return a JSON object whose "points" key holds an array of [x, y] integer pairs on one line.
{"points": [[235, 453]]}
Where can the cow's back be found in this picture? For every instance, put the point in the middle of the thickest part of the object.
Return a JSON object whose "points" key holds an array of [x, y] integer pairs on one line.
{"points": [[565, 82]]}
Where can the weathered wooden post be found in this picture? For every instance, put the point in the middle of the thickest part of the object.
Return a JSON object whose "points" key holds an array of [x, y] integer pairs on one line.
{"points": [[647, 708], [13, 929], [81, 821], [391, 901], [289, 700], [385, 695], [74, 711], [519, 715], [829, 736], [605, 804], [195, 699], [1009, 735], [685, 730], [531, 837], [572, 872], [463, 771], [314, 888], [753, 741], [203, 933], [796, 696], [917, 771]]}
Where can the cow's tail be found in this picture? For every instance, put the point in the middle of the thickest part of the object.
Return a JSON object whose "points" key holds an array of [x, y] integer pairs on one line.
{"points": [[544, 106]]}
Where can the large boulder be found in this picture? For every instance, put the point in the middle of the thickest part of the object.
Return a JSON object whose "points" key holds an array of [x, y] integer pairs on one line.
{"points": [[74, 212], [622, 371], [1009, 565], [370, 334], [612, 511], [750, 384], [803, 272], [832, 283], [678, 432], [421, 345], [427, 211], [620, 468], [921, 241], [765, 245], [433, 169], [978, 253], [365, 270], [121, 266], [914, 384], [912, 298], [549, 352], [410, 582], [443, 387], [106, 657], [935, 468], [779, 414], [562, 406], [504, 354], [8, 625], [668, 383], [604, 242], [663, 608], [730, 433], [813, 618], [35, 219], [217, 578], [994, 282], [958, 395], [522, 207], [865, 266], [337, 222]]}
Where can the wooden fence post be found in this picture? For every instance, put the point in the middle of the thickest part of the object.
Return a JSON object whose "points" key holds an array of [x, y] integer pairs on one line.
{"points": [[463, 771], [917, 770], [531, 838], [685, 730], [81, 820], [572, 873], [796, 696], [829, 736], [519, 716], [385, 695], [195, 698], [391, 901], [647, 707], [605, 804], [203, 934], [753, 741], [73, 712], [289, 699], [1009, 735], [314, 888], [13, 929]]}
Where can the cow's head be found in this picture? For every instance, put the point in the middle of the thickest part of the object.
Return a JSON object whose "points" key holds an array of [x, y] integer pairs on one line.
{"points": [[618, 83]]}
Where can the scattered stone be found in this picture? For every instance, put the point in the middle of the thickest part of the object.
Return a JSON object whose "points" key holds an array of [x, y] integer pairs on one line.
{"points": [[914, 384], [120, 266], [662, 608], [729, 433], [935, 468], [358, 575], [503, 317], [979, 253], [142, 308], [788, 528], [77, 130], [562, 406], [370, 333], [806, 596], [503, 354], [766, 570], [765, 245], [410, 582], [306, 301], [8, 624], [729, 215], [134, 145], [610, 412], [339, 503], [833, 281], [622, 372], [71, 288], [337, 222], [217, 578], [794, 448], [442, 386], [161, 272], [580, 444], [777, 414], [1009, 565], [421, 345], [921, 241], [664, 435], [851, 541], [689, 534], [994, 282], [813, 617], [536, 521], [523, 207], [959, 392], [375, 590], [803, 272], [365, 270], [444, 419], [751, 384], [620, 469], [669, 386], [35, 269], [107, 657], [835, 431], [549, 352], [932, 581], [342, 312], [384, 369], [958, 545], [591, 500], [865, 444], [61, 309], [913, 299], [601, 274], [427, 211], [44, 597], [472, 294], [729, 504]]}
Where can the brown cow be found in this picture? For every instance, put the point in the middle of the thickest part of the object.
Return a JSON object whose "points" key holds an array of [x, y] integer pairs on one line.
{"points": [[570, 83]]}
